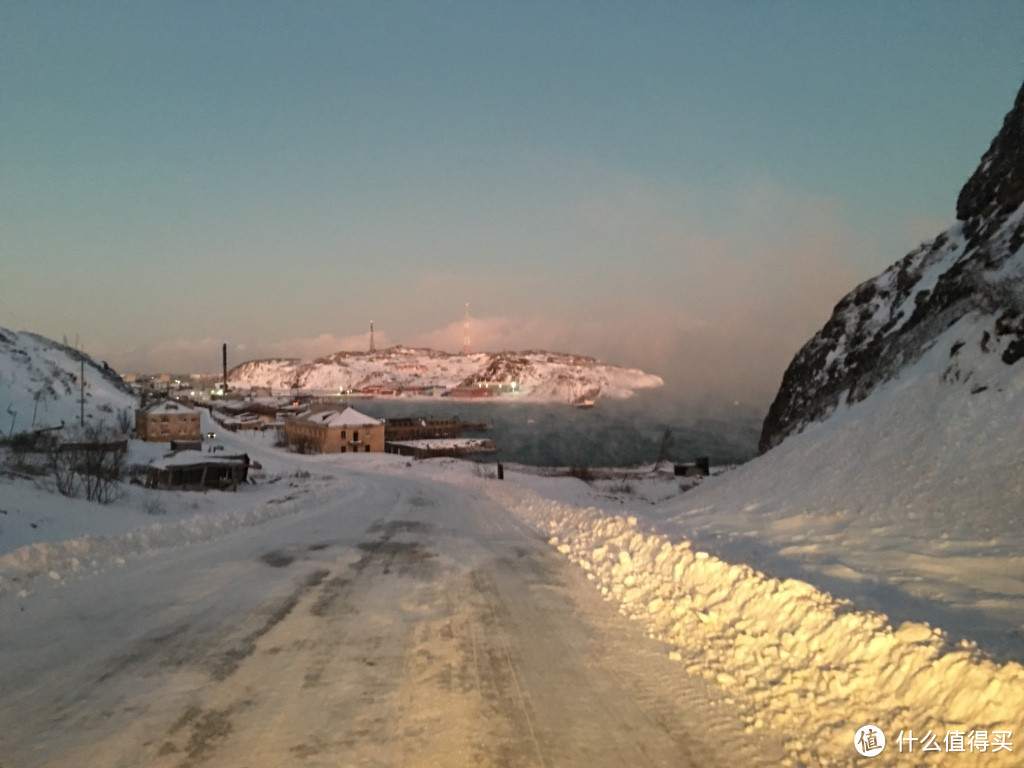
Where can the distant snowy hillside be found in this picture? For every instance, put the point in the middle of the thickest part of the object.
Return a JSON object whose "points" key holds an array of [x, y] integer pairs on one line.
{"points": [[537, 375], [972, 272], [40, 385]]}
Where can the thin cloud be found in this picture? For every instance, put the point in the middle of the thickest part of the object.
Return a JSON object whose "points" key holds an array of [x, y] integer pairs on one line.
{"points": [[326, 344], [718, 312]]}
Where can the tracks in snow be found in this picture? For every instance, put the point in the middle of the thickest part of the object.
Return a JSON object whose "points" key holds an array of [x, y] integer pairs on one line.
{"points": [[431, 630]]}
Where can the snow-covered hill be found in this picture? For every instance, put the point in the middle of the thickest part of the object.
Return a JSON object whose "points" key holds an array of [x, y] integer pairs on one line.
{"points": [[892, 476], [962, 290], [536, 375], [896, 442], [41, 385]]}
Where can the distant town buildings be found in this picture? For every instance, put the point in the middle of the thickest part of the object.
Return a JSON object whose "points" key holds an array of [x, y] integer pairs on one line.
{"points": [[412, 428], [429, 449]]}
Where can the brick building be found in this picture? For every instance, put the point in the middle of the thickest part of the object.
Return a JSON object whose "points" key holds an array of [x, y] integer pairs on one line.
{"points": [[167, 420], [334, 431]]}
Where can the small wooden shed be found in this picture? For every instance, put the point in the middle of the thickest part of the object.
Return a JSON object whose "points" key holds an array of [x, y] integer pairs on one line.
{"points": [[195, 470]]}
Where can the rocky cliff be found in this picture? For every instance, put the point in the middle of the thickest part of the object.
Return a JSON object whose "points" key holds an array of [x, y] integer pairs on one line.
{"points": [[884, 325]]}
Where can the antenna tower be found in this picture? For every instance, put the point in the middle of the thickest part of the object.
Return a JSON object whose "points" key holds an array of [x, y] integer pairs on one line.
{"points": [[465, 333]]}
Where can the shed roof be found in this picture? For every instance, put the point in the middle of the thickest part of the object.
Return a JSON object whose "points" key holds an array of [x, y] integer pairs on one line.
{"points": [[198, 458]]}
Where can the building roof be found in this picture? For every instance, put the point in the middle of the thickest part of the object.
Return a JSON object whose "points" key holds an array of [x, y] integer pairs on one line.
{"points": [[168, 406], [198, 458], [348, 417]]}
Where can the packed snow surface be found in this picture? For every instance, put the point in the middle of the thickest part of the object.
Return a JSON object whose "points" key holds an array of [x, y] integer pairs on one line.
{"points": [[793, 658]]}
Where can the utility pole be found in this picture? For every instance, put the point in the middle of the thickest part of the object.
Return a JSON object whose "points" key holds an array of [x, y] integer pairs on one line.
{"points": [[465, 332], [81, 379], [373, 346]]}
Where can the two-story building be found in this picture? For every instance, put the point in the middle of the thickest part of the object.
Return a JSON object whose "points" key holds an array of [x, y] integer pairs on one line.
{"points": [[334, 431], [167, 420]]}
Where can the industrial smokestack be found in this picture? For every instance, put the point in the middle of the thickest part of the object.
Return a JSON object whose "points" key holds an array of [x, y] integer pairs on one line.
{"points": [[224, 355]]}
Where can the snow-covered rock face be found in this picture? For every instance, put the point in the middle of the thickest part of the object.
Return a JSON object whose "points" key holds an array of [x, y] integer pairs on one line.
{"points": [[885, 324], [546, 376], [999, 180]]}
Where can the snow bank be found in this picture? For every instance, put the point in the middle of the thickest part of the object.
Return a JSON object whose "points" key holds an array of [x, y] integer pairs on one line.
{"points": [[793, 658], [58, 560], [909, 502]]}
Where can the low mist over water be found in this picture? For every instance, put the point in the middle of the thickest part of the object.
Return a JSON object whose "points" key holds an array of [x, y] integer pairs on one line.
{"points": [[612, 434]]}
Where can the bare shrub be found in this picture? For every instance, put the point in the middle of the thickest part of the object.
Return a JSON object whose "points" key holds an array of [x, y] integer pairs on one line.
{"points": [[153, 505], [93, 461], [64, 471], [125, 421], [486, 471]]}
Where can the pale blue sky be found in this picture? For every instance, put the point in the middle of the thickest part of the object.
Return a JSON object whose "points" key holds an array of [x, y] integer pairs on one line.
{"points": [[687, 187]]}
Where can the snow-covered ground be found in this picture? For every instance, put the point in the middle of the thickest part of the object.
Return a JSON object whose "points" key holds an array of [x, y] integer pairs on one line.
{"points": [[41, 386], [910, 502], [799, 584], [369, 610]]}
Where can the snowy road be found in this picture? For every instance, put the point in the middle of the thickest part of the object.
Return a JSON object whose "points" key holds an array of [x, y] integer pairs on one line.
{"points": [[391, 622]]}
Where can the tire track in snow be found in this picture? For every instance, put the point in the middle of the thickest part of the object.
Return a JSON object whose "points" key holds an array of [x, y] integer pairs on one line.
{"points": [[443, 633], [229, 661]]}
